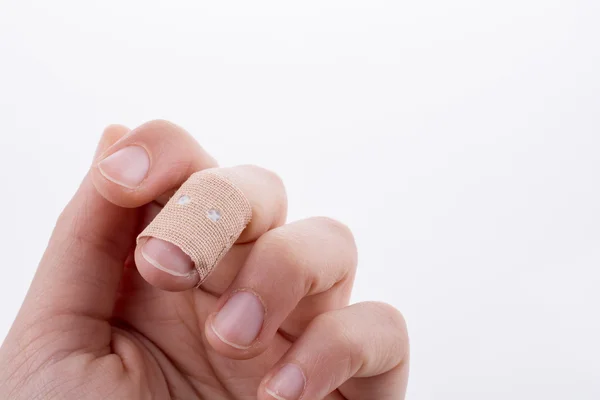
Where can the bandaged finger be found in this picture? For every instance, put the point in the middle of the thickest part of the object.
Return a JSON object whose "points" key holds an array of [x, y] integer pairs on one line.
{"points": [[204, 219]]}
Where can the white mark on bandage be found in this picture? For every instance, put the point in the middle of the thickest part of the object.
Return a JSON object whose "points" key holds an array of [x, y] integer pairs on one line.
{"points": [[183, 200], [214, 215]]}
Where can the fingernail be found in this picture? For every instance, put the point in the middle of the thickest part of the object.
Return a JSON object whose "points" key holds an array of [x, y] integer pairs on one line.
{"points": [[240, 320], [127, 167], [167, 257], [287, 384]]}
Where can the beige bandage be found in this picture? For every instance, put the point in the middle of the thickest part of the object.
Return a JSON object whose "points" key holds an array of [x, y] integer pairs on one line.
{"points": [[204, 219]]}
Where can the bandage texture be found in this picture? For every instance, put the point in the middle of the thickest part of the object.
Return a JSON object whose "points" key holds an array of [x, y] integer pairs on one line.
{"points": [[204, 219]]}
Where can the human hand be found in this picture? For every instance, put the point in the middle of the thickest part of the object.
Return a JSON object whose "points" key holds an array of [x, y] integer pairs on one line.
{"points": [[271, 322]]}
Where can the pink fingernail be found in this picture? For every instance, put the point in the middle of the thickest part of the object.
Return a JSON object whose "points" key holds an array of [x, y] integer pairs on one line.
{"points": [[127, 167], [287, 384], [167, 257], [240, 320]]}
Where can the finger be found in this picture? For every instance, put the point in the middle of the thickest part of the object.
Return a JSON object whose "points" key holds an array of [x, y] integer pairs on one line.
{"points": [[111, 135], [366, 340], [314, 258], [150, 161], [81, 267], [169, 267]]}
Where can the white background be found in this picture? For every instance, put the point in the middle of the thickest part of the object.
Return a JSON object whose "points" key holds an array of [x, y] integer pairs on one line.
{"points": [[459, 140]]}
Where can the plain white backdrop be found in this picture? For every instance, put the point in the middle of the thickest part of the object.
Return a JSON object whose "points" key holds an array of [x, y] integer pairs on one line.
{"points": [[460, 141]]}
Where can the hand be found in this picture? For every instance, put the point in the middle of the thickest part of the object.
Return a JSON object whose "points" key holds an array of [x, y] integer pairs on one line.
{"points": [[271, 322]]}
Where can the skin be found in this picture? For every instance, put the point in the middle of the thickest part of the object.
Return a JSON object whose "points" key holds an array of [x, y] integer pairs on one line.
{"points": [[101, 322]]}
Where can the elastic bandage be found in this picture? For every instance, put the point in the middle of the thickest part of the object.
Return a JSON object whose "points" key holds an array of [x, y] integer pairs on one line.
{"points": [[204, 219]]}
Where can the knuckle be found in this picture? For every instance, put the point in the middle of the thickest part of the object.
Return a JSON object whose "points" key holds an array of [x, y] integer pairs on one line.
{"points": [[338, 332], [393, 324], [389, 315], [275, 204], [343, 236], [334, 225], [340, 337], [280, 249], [338, 228], [266, 174], [281, 253]]}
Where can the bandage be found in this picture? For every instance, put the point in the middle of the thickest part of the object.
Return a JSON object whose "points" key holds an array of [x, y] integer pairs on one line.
{"points": [[204, 219]]}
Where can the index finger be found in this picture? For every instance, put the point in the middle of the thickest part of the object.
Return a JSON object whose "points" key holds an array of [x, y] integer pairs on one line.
{"points": [[211, 211]]}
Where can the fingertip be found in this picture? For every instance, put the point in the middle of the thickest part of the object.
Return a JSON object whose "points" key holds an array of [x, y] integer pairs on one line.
{"points": [[164, 265], [225, 346], [145, 163], [215, 340], [127, 167], [287, 382]]}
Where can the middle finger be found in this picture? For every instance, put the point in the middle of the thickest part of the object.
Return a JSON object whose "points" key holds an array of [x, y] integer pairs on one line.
{"points": [[292, 274]]}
